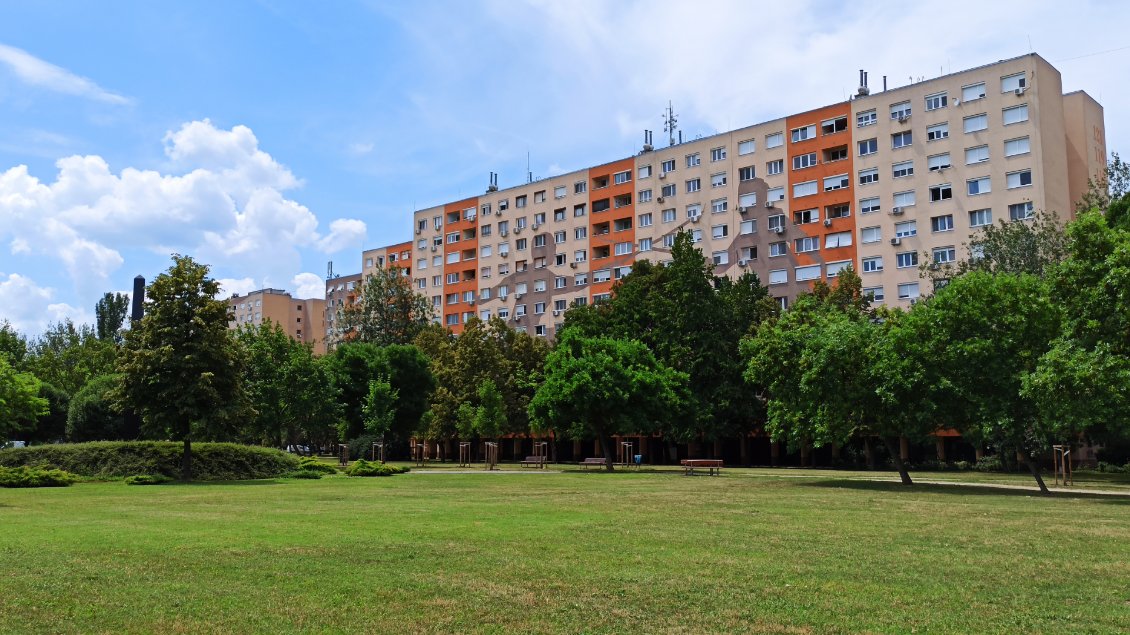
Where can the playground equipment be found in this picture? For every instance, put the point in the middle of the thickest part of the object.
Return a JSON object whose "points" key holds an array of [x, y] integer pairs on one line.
{"points": [[342, 454], [464, 453], [491, 454], [626, 454], [419, 453], [1061, 457], [379, 451]]}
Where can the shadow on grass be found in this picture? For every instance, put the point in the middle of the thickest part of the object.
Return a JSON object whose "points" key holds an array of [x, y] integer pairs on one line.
{"points": [[959, 489], [265, 481]]}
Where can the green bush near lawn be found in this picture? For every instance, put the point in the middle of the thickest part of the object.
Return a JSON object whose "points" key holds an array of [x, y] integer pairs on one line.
{"points": [[305, 474], [147, 479], [24, 476], [370, 468], [311, 464], [117, 459]]}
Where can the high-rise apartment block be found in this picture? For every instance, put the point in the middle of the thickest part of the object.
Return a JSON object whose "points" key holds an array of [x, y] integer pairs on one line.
{"points": [[301, 319], [879, 182]]}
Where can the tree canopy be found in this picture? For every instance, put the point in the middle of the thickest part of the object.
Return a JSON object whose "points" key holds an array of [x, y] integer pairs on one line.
{"points": [[389, 311]]}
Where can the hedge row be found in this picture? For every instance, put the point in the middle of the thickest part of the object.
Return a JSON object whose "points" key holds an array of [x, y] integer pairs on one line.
{"points": [[117, 459]]}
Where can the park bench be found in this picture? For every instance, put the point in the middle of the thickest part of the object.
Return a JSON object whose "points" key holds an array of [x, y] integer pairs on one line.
{"points": [[534, 461], [592, 460], [712, 466]]}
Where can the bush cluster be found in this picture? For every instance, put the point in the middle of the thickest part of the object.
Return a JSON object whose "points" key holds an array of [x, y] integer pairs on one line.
{"points": [[989, 464], [147, 479], [24, 476], [371, 468], [311, 464], [1109, 468], [117, 459]]}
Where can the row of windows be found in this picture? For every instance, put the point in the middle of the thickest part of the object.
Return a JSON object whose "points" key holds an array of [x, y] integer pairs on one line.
{"points": [[1015, 83], [944, 191]]}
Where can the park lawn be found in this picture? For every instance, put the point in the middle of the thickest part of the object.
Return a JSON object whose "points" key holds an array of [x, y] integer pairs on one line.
{"points": [[568, 552]]}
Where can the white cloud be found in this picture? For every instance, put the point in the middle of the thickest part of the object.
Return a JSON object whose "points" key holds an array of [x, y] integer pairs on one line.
{"points": [[226, 205], [32, 70], [360, 148], [30, 308], [309, 285], [236, 286]]}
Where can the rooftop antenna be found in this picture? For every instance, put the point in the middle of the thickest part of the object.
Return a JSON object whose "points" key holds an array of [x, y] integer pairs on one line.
{"points": [[329, 270], [669, 124], [529, 174]]}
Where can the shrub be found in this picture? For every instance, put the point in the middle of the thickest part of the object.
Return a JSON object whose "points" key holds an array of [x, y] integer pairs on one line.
{"points": [[962, 465], [304, 473], [147, 479], [370, 468], [24, 476], [92, 416], [989, 464], [311, 464], [362, 446], [117, 459]]}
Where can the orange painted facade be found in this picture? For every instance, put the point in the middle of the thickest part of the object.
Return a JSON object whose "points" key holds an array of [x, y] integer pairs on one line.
{"points": [[603, 235], [831, 145], [460, 220]]}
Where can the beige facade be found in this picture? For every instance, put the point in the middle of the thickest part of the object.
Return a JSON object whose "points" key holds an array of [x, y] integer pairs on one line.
{"points": [[341, 291], [301, 319], [880, 182]]}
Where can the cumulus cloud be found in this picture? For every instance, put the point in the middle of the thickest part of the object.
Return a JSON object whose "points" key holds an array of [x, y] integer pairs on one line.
{"points": [[236, 286], [224, 201], [36, 72], [31, 308], [308, 285]]}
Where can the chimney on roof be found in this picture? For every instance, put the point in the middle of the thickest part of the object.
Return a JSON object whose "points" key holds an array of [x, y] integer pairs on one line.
{"points": [[862, 91]]}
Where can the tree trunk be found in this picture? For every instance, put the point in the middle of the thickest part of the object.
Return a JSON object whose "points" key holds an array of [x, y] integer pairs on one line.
{"points": [[1035, 470], [186, 461], [869, 452], [606, 448], [896, 456]]}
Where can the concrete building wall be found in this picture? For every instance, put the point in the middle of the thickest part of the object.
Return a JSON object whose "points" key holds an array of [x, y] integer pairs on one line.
{"points": [[302, 319]]}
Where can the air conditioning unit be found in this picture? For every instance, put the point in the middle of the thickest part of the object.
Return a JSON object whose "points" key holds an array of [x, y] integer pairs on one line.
{"points": [[743, 262], [504, 254], [659, 200], [662, 175], [498, 212], [743, 209], [517, 230], [904, 119], [517, 296], [572, 265], [556, 312], [470, 302], [470, 217], [503, 232], [434, 248], [779, 230], [896, 241], [957, 102], [536, 225], [1019, 91], [934, 266], [827, 222], [419, 231], [695, 218], [896, 211], [769, 204]]}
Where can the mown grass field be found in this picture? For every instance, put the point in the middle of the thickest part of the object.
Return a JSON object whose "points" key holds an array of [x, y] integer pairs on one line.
{"points": [[785, 551]]}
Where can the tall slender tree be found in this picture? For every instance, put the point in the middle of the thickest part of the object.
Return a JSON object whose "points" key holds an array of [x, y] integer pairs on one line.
{"points": [[110, 316]]}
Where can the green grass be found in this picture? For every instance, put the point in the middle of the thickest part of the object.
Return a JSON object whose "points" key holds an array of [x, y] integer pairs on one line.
{"points": [[652, 552]]}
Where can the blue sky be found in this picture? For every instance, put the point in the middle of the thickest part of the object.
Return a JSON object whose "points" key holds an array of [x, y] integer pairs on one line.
{"points": [[266, 138]]}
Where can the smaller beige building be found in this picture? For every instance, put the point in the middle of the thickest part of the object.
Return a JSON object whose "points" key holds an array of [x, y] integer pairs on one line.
{"points": [[341, 291], [301, 319]]}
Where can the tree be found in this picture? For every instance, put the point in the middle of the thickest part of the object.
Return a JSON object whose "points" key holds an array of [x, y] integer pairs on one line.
{"points": [[181, 367], [68, 355], [1108, 188], [602, 386], [380, 407], [19, 398], [389, 310], [490, 416], [977, 339], [110, 315], [94, 416], [13, 346], [51, 426], [822, 365], [407, 372], [1032, 247]]}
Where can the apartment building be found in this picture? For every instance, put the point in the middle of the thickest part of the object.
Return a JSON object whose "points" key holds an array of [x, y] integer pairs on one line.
{"points": [[398, 255], [341, 291], [301, 319], [879, 182]]}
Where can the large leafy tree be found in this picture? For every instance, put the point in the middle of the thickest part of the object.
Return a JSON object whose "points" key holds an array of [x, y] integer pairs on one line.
{"points": [[19, 398], [1031, 246], [94, 416], [182, 370], [389, 310], [13, 346], [601, 386], [977, 339], [825, 366], [403, 367], [692, 321], [110, 315]]}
